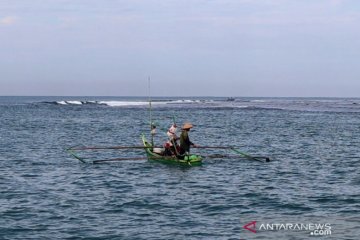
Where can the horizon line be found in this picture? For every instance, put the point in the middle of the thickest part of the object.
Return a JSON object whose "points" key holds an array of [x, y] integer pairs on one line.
{"points": [[191, 96]]}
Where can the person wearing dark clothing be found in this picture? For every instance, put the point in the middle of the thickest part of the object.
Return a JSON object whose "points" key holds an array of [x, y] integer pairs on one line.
{"points": [[185, 142]]}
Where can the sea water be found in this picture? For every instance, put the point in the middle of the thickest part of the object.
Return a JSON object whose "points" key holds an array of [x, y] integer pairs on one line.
{"points": [[309, 189]]}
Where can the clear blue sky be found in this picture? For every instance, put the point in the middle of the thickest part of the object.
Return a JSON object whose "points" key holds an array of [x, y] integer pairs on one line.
{"points": [[188, 47]]}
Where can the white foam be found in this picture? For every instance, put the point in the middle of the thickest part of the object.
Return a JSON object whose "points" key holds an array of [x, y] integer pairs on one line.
{"points": [[185, 101], [131, 103], [122, 103], [74, 102]]}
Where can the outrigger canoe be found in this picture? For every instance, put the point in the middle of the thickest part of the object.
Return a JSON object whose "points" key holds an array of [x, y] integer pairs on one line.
{"points": [[190, 160], [154, 153]]}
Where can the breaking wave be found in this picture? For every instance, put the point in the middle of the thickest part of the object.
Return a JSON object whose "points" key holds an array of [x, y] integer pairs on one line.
{"points": [[63, 102], [293, 104], [127, 103]]}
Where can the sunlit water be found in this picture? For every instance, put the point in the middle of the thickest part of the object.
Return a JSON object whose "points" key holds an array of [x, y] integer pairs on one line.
{"points": [[313, 176]]}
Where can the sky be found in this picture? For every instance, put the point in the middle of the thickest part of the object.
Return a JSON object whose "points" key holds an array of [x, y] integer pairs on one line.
{"points": [[250, 48]]}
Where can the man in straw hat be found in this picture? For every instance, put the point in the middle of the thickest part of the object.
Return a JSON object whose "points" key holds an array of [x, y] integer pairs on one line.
{"points": [[185, 142]]}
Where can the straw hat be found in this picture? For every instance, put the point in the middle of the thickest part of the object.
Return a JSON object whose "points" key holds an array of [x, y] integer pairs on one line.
{"points": [[187, 126]]}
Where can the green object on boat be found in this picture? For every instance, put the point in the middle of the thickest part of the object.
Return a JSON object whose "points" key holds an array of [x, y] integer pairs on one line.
{"points": [[189, 160]]}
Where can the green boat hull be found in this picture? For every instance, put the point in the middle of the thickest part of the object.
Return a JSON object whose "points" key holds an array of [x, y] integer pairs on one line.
{"points": [[191, 160]]}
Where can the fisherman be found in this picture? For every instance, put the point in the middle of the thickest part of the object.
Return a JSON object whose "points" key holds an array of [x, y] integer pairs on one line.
{"points": [[171, 145], [185, 142], [153, 132], [172, 133]]}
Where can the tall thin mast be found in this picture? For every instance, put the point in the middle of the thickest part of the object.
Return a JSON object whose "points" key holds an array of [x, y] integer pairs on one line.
{"points": [[150, 116]]}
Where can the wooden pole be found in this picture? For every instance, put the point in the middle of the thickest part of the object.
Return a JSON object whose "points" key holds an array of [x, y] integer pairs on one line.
{"points": [[111, 147]]}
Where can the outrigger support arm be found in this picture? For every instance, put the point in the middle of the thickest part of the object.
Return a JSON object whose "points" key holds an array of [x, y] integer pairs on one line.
{"points": [[111, 147], [256, 158]]}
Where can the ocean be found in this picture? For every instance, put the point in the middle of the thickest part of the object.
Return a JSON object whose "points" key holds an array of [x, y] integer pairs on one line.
{"points": [[309, 189]]}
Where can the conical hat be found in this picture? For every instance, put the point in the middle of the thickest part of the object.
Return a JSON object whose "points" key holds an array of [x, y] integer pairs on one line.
{"points": [[187, 126]]}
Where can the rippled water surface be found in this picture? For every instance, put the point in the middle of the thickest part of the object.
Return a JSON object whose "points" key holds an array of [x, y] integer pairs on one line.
{"points": [[313, 176]]}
